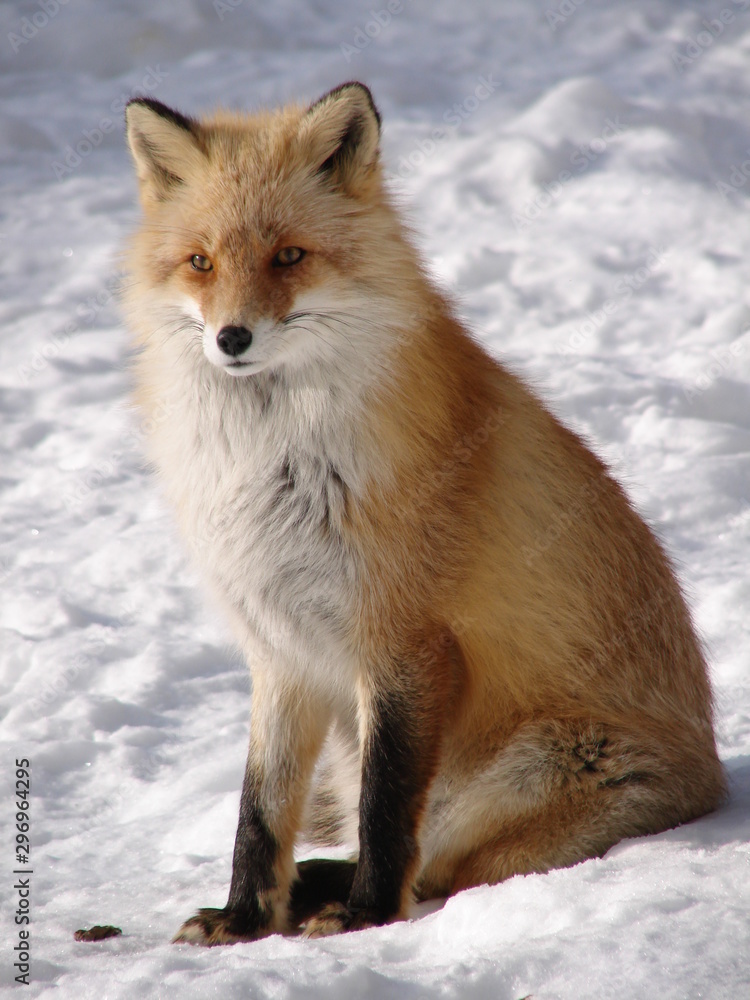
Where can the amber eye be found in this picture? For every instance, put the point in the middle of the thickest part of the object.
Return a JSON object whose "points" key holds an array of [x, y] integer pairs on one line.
{"points": [[288, 256], [201, 263]]}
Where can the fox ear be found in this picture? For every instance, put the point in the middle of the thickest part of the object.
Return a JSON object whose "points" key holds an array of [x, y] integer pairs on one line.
{"points": [[342, 132], [164, 145]]}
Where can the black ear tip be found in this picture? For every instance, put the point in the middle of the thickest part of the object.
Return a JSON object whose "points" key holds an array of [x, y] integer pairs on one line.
{"points": [[175, 117], [355, 85], [368, 94]]}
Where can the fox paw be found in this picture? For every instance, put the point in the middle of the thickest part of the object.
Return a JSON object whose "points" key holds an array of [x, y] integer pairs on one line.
{"points": [[335, 918], [210, 927]]}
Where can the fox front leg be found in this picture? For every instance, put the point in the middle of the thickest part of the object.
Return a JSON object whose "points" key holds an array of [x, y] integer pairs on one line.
{"points": [[404, 722], [287, 731]]}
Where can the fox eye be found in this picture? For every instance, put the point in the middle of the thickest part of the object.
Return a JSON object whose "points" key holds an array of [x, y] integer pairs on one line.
{"points": [[201, 263], [288, 256]]}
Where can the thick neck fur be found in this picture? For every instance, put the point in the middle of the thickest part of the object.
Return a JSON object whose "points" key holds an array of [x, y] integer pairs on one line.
{"points": [[313, 414]]}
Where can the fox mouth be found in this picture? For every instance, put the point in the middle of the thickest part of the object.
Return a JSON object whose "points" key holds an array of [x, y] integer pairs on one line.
{"points": [[236, 368]]}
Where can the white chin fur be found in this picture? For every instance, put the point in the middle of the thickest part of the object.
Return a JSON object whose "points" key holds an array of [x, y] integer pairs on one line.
{"points": [[240, 370]]}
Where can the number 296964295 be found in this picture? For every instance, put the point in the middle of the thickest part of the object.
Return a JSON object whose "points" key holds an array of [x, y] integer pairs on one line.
{"points": [[23, 797]]}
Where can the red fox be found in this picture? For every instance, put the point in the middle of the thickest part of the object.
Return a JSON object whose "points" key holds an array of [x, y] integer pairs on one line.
{"points": [[467, 651]]}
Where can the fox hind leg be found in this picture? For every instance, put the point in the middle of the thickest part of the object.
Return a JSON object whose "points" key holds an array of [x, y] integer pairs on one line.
{"points": [[561, 792]]}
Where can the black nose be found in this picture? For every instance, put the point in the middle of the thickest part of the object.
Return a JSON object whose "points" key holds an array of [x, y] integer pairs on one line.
{"points": [[233, 340]]}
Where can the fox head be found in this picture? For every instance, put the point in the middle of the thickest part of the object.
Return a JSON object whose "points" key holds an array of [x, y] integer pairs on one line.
{"points": [[268, 241]]}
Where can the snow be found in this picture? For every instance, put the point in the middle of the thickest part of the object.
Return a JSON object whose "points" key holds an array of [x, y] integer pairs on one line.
{"points": [[575, 172]]}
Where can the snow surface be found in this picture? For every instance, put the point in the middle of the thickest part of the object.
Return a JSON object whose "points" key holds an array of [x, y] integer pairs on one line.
{"points": [[585, 172]]}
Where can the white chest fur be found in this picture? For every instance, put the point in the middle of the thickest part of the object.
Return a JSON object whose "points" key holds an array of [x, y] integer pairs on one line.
{"points": [[260, 472]]}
